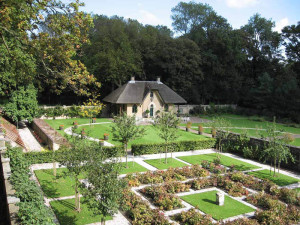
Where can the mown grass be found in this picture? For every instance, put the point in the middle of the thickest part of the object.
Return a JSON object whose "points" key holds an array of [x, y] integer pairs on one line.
{"points": [[66, 214], [225, 160], [151, 134], [62, 186], [133, 167], [206, 202], [69, 122], [279, 179], [160, 163]]}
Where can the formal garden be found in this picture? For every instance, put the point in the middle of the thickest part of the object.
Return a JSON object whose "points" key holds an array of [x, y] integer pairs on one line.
{"points": [[170, 176]]}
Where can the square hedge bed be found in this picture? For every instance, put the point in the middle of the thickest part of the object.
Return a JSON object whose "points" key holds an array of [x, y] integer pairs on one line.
{"points": [[279, 179], [66, 213], [160, 163], [62, 186], [225, 160], [206, 202]]}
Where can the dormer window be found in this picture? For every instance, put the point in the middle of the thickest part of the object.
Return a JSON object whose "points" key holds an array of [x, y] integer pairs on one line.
{"points": [[151, 94]]}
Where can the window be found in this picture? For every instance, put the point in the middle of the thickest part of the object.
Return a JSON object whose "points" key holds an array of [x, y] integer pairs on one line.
{"points": [[151, 94], [166, 107], [134, 108]]}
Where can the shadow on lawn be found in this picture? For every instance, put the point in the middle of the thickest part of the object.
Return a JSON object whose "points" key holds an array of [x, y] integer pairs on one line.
{"points": [[209, 201], [63, 215], [49, 189]]}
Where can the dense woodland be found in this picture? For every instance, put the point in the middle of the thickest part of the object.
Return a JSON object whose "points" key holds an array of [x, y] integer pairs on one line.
{"points": [[70, 56]]}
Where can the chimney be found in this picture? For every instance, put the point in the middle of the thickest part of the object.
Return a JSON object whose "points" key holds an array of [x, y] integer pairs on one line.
{"points": [[132, 80], [158, 80]]}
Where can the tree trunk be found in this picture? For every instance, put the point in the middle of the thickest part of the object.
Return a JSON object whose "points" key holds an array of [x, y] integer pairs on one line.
{"points": [[166, 154], [274, 167], [125, 149], [278, 167], [78, 203]]}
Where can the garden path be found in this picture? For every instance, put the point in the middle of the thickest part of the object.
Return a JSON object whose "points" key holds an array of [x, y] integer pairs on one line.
{"points": [[29, 140]]}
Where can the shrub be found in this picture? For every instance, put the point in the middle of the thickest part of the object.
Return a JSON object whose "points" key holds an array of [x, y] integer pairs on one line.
{"points": [[139, 212], [200, 128], [200, 183], [142, 149], [192, 217], [32, 209], [189, 125], [161, 198]]}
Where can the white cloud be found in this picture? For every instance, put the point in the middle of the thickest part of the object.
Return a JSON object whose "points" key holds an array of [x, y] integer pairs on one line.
{"points": [[241, 3], [146, 17], [281, 24]]}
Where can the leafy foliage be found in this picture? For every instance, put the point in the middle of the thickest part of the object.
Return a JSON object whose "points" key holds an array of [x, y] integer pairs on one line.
{"points": [[32, 209], [22, 104]]}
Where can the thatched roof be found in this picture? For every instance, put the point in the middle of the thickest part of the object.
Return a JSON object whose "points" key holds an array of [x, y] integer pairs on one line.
{"points": [[136, 91]]}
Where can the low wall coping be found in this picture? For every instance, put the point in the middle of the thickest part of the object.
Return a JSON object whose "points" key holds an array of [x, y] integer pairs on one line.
{"points": [[12, 200]]}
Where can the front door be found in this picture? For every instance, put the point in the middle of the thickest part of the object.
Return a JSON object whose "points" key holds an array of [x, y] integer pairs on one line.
{"points": [[151, 110]]}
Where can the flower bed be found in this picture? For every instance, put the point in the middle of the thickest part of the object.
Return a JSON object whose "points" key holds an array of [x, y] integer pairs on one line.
{"points": [[139, 212], [156, 177], [162, 198]]}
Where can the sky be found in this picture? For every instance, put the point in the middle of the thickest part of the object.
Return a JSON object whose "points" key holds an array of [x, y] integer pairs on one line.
{"points": [[237, 12]]}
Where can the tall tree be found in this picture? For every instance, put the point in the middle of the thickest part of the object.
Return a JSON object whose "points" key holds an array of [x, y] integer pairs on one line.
{"points": [[167, 124], [39, 42]]}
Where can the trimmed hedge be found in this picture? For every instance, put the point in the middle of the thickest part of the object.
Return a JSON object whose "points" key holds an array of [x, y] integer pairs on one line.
{"points": [[47, 156], [181, 146], [32, 209]]}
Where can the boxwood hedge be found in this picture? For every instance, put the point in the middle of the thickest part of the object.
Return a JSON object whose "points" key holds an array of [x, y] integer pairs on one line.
{"points": [[47, 156], [180, 146]]}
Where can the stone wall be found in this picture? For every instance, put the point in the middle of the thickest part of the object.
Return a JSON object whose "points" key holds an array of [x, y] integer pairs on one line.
{"points": [[295, 151], [50, 136], [11, 200], [185, 109]]}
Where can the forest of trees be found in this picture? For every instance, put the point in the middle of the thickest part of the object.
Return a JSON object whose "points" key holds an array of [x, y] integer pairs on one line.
{"points": [[69, 55]]}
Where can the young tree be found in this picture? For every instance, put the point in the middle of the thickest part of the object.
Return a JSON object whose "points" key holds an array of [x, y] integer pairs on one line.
{"points": [[104, 189], [276, 150], [91, 108], [73, 161], [22, 105], [221, 126], [167, 125], [125, 130]]}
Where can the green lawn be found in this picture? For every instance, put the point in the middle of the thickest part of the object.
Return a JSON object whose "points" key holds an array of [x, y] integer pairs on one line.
{"points": [[225, 160], [133, 167], [69, 122], [239, 121], [66, 214], [280, 179], [297, 189], [296, 142], [151, 135], [62, 186], [160, 163], [206, 202]]}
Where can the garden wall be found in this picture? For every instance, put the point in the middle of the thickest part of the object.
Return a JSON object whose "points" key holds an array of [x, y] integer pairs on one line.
{"points": [[185, 109], [254, 142], [50, 136], [8, 207]]}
